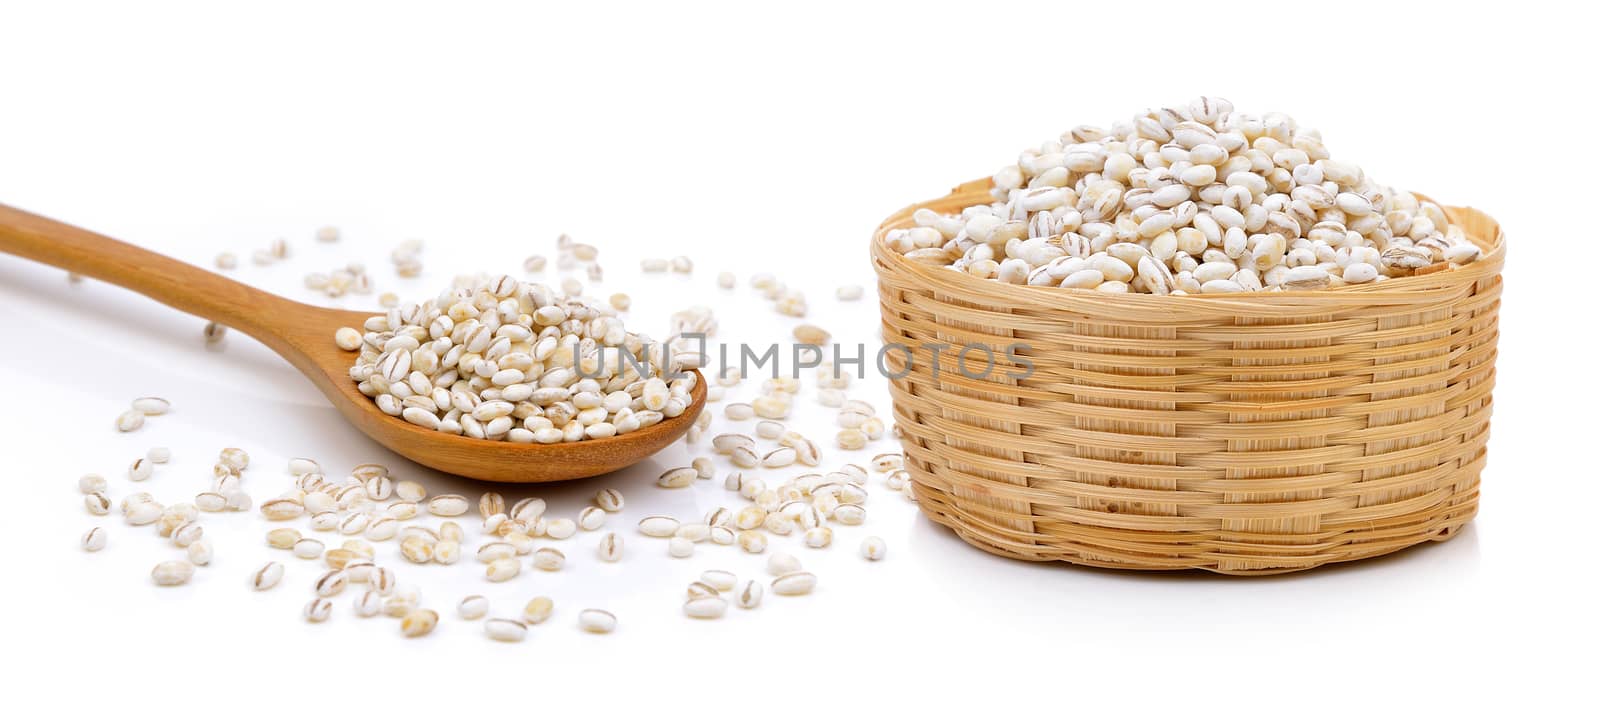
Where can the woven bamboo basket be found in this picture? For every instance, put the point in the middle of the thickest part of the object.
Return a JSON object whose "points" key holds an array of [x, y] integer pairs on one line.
{"points": [[1253, 433]]}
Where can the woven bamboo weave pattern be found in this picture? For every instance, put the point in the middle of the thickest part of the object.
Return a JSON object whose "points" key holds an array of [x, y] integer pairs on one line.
{"points": [[1251, 433]]}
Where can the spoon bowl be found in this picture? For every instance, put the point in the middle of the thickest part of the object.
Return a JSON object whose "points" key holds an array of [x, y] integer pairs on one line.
{"points": [[303, 335]]}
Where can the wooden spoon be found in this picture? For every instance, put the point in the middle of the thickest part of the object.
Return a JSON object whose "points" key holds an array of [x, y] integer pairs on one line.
{"points": [[303, 334]]}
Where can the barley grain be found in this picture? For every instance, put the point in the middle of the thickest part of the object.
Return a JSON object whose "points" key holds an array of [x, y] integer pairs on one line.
{"points": [[347, 338], [538, 610], [172, 573], [781, 563], [331, 584], [591, 518], [560, 528], [398, 606], [594, 620], [887, 462], [354, 523], [726, 443], [851, 439], [515, 533], [873, 428], [418, 622], [705, 608], [368, 604], [718, 517], [94, 539], [719, 579], [382, 528], [98, 504], [417, 549], [317, 610], [610, 548], [151, 405], [236, 459], [505, 630], [473, 607], [680, 548], [238, 501], [548, 559], [749, 595], [282, 509], [798, 583], [490, 504], [745, 457], [446, 552], [873, 548], [850, 514], [134, 500], [658, 526], [185, 534], [199, 552], [609, 500], [447, 505], [694, 532], [752, 542], [284, 538], [214, 333], [856, 473], [752, 487], [819, 537], [309, 549], [130, 421], [501, 570], [359, 572], [677, 478], [92, 484], [139, 514], [496, 550], [267, 576], [452, 532]]}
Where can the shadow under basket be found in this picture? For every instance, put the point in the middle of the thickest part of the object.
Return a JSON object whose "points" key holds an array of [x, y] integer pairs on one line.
{"points": [[1252, 433]]}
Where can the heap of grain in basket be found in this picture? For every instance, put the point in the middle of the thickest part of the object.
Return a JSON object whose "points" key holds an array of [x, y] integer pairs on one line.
{"points": [[1185, 200]]}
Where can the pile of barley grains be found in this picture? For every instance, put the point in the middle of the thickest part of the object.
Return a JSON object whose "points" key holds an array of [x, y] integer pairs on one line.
{"points": [[1186, 200], [497, 358], [371, 508], [500, 359]]}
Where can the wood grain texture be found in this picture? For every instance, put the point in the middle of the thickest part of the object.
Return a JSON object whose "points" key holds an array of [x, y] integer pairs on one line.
{"points": [[303, 335], [1244, 434]]}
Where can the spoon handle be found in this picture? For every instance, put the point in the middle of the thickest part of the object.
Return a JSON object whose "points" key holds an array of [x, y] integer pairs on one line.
{"points": [[177, 284]]}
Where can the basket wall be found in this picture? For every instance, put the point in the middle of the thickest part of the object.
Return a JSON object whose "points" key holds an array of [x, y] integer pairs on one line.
{"points": [[1243, 434]]}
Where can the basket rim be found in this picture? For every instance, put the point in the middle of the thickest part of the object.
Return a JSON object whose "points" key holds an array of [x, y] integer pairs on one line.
{"points": [[977, 193]]}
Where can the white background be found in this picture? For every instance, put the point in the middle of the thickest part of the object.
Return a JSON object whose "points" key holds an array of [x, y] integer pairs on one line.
{"points": [[752, 137]]}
